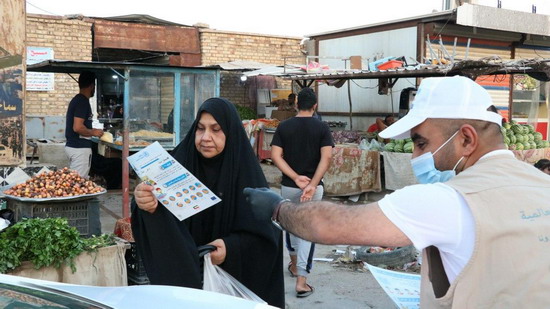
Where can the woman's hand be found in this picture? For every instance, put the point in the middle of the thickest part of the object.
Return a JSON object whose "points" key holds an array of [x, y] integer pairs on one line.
{"points": [[218, 255], [302, 181], [307, 193], [144, 197]]}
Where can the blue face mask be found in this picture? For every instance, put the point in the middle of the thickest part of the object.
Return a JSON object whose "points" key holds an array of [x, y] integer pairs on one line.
{"points": [[424, 167]]}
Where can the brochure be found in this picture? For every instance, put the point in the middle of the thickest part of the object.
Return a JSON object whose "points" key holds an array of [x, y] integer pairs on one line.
{"points": [[174, 186], [402, 288]]}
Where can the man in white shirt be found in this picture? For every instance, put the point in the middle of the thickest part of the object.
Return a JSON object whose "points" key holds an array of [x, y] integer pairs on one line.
{"points": [[469, 226]]}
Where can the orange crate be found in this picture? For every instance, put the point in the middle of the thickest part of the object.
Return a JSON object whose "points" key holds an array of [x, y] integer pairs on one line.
{"points": [[392, 64]]}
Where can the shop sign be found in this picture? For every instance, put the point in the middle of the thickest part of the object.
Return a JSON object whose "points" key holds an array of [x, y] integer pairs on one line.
{"points": [[38, 81]]}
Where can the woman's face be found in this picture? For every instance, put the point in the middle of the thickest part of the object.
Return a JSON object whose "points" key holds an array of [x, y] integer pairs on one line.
{"points": [[209, 137]]}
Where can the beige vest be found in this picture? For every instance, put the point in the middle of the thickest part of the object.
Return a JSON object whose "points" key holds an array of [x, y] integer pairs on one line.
{"points": [[510, 264]]}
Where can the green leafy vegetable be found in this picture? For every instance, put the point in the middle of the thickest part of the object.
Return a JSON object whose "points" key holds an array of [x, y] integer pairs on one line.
{"points": [[45, 242]]}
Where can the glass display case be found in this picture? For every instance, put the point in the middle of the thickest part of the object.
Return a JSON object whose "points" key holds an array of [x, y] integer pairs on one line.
{"points": [[153, 113]]}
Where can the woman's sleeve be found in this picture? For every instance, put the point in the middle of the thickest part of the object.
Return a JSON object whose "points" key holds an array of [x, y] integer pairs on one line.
{"points": [[169, 254]]}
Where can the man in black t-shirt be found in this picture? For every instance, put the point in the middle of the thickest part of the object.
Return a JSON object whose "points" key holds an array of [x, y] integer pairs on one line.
{"points": [[302, 149], [78, 127]]}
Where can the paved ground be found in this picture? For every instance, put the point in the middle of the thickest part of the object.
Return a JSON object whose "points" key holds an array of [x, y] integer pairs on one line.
{"points": [[337, 284]]}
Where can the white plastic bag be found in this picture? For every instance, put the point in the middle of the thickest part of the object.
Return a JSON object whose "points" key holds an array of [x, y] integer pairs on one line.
{"points": [[218, 280]]}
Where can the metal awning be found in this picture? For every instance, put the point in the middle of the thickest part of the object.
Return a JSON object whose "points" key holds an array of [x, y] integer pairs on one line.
{"points": [[280, 71], [62, 66], [536, 68], [239, 65]]}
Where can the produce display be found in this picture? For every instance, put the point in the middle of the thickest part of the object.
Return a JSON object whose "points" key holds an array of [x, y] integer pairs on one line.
{"points": [[516, 137], [522, 137], [400, 145], [61, 183], [45, 242]]}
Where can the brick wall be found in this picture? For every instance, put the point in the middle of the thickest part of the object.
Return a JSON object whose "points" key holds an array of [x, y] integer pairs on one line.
{"points": [[224, 46], [71, 39], [232, 89]]}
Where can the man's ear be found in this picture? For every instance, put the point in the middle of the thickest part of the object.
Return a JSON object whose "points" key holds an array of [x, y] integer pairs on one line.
{"points": [[469, 139]]}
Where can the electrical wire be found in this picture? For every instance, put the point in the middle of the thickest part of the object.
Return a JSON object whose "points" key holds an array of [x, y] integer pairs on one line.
{"points": [[442, 28], [363, 87], [41, 9]]}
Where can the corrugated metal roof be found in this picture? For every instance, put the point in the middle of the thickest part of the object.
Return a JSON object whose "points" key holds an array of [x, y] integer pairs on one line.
{"points": [[276, 71], [240, 65], [427, 17]]}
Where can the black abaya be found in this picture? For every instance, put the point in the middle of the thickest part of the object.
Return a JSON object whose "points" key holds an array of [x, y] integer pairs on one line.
{"points": [[254, 250]]}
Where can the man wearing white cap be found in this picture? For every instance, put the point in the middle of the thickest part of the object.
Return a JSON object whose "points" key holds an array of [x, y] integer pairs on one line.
{"points": [[480, 217]]}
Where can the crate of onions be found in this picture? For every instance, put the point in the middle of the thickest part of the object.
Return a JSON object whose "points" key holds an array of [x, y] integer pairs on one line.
{"points": [[63, 184]]}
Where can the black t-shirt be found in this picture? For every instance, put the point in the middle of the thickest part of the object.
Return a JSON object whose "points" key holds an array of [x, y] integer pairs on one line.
{"points": [[78, 107], [301, 139]]}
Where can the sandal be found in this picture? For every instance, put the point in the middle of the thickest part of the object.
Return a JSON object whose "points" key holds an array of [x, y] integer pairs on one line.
{"points": [[292, 275], [303, 294]]}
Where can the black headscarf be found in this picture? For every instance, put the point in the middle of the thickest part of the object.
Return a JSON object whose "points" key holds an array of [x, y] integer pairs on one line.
{"points": [[254, 249]]}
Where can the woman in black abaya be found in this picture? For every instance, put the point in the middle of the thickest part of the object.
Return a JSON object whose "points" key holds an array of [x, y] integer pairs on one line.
{"points": [[217, 151]]}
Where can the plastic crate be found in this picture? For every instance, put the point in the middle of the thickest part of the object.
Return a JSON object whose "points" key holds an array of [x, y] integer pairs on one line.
{"points": [[83, 215], [392, 64], [134, 267]]}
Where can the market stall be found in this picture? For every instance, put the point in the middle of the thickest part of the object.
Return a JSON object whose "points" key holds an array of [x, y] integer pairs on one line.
{"points": [[352, 171], [260, 133], [159, 104]]}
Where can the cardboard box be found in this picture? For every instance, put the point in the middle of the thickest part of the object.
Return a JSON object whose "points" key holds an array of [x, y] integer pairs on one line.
{"points": [[282, 115], [356, 63]]}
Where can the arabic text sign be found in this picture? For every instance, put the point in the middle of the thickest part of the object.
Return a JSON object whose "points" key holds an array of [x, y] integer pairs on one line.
{"points": [[38, 81]]}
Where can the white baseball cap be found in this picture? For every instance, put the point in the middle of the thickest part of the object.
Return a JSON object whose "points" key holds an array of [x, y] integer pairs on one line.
{"points": [[454, 97]]}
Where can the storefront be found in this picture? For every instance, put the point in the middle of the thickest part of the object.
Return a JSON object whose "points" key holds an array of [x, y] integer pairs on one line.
{"points": [[158, 103]]}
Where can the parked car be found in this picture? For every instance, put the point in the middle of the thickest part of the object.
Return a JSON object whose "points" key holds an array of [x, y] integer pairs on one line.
{"points": [[3, 151], [21, 292]]}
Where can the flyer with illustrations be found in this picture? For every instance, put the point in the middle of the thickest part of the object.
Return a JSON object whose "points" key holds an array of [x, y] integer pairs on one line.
{"points": [[174, 186], [402, 288]]}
